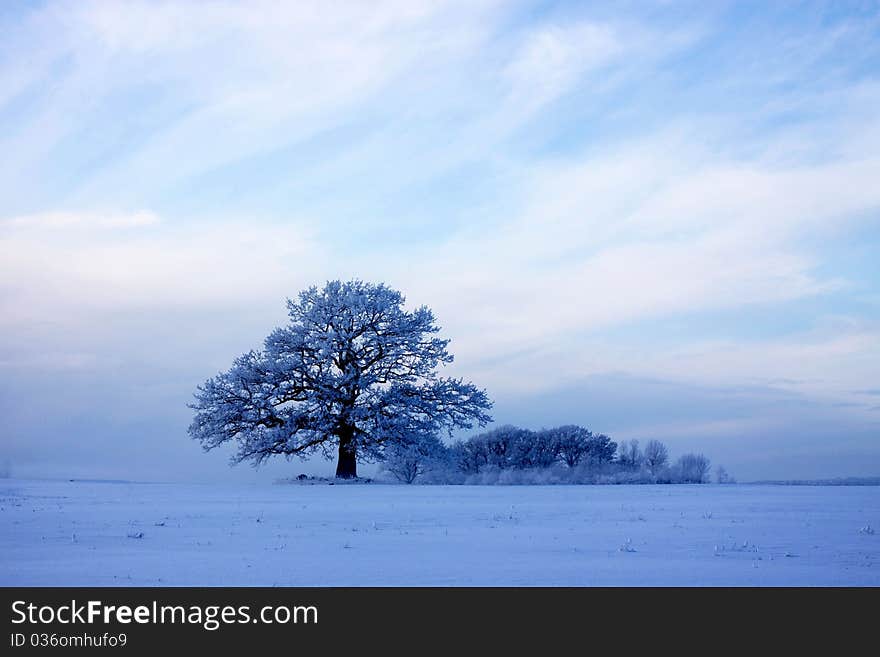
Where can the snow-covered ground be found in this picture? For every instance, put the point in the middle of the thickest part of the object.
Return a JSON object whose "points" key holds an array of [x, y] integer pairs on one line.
{"points": [[104, 534]]}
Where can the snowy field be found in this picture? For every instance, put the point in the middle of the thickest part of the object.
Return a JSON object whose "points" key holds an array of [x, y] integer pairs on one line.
{"points": [[107, 534]]}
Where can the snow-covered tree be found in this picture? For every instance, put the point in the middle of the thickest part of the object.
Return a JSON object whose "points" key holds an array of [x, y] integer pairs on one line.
{"points": [[352, 371], [722, 477], [468, 456], [536, 449], [505, 445], [407, 460], [692, 469], [655, 456], [572, 443], [629, 455], [600, 449]]}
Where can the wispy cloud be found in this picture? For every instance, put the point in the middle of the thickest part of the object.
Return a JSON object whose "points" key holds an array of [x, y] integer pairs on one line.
{"points": [[91, 220], [58, 264], [553, 58]]}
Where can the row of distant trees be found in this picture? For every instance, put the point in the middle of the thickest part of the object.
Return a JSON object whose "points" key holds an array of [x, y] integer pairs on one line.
{"points": [[566, 454]]}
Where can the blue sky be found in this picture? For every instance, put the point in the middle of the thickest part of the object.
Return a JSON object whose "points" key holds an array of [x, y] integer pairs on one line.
{"points": [[660, 220]]}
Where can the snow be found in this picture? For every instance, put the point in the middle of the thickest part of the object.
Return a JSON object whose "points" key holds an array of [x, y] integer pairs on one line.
{"points": [[106, 534]]}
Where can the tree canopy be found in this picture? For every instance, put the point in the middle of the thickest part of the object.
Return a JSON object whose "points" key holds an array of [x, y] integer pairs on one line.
{"points": [[352, 370]]}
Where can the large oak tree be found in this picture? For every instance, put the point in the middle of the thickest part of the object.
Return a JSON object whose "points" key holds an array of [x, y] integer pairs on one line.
{"points": [[353, 371]]}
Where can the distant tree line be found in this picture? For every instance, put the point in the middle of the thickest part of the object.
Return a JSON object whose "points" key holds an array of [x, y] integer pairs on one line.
{"points": [[565, 454]]}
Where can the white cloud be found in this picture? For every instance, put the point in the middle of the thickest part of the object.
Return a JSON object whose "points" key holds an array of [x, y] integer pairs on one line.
{"points": [[215, 82], [56, 265], [86, 220], [553, 58], [632, 235]]}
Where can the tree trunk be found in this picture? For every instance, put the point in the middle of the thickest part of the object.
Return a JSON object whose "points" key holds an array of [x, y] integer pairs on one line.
{"points": [[346, 466]]}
